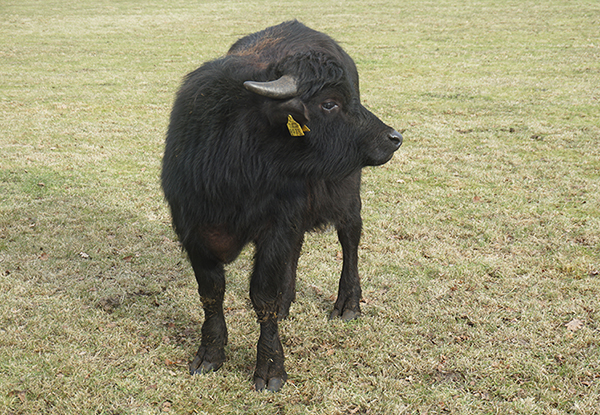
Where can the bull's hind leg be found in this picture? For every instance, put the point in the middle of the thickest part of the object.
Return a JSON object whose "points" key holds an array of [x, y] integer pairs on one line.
{"points": [[347, 305], [211, 287]]}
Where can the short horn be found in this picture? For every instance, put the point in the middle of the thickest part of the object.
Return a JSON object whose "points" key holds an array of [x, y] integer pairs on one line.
{"points": [[282, 88]]}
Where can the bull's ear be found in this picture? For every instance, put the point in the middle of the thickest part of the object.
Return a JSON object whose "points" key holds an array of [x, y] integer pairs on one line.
{"points": [[278, 111]]}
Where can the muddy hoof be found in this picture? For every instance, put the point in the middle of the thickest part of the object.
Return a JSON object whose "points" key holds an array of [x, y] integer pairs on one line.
{"points": [[201, 363], [274, 384], [347, 315], [203, 368]]}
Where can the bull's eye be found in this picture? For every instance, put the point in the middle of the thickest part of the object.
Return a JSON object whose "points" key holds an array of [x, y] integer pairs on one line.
{"points": [[329, 105]]}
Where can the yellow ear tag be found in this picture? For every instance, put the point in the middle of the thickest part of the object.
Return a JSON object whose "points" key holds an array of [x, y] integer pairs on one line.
{"points": [[295, 129]]}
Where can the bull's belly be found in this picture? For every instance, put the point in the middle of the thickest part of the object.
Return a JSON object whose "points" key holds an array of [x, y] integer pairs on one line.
{"points": [[221, 244]]}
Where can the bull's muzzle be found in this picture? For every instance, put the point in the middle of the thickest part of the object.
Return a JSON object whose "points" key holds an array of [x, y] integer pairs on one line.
{"points": [[396, 138]]}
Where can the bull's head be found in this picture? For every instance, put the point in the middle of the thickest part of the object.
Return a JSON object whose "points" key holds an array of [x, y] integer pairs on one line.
{"points": [[376, 150]]}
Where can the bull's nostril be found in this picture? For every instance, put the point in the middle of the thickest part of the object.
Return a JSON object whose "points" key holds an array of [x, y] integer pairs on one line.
{"points": [[396, 138]]}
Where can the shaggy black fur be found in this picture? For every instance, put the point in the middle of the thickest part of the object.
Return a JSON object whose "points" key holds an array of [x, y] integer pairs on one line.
{"points": [[232, 174]]}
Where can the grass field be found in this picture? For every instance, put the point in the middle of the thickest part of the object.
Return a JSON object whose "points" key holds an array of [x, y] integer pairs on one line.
{"points": [[480, 256]]}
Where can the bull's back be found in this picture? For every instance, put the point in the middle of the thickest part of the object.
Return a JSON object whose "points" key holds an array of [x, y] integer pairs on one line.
{"points": [[287, 38]]}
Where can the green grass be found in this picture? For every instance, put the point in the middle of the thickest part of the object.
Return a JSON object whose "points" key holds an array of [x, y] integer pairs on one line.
{"points": [[481, 237]]}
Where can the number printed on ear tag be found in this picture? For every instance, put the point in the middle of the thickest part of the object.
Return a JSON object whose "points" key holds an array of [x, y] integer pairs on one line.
{"points": [[296, 130]]}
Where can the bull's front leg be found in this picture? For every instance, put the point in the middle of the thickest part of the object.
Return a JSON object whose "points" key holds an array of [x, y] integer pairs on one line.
{"points": [[347, 305], [289, 282], [270, 371], [271, 264]]}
